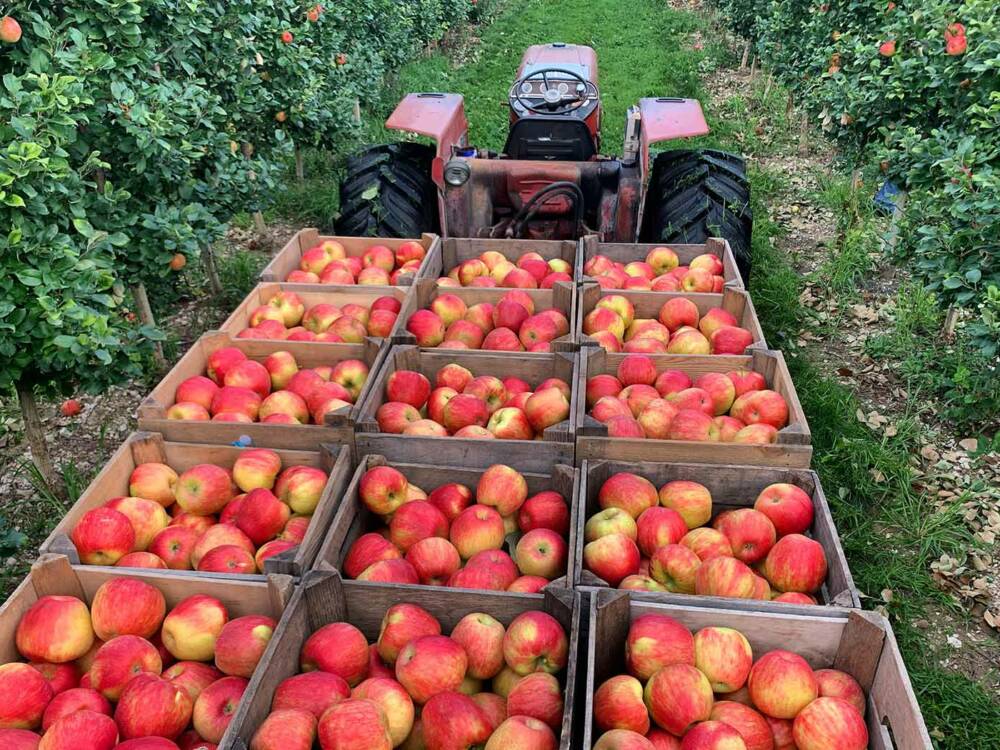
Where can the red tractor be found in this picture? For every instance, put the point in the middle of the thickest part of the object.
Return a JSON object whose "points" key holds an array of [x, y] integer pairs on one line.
{"points": [[550, 181]]}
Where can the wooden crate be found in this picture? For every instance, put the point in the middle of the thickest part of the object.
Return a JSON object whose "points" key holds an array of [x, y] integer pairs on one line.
{"points": [[53, 575], [532, 455], [147, 447], [324, 598], [731, 487], [648, 304], [287, 259], [451, 252], [353, 519], [310, 294], [338, 427], [792, 450], [626, 252], [859, 643], [562, 297]]}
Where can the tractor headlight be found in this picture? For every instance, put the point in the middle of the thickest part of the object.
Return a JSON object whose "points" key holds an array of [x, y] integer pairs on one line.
{"points": [[457, 172]]}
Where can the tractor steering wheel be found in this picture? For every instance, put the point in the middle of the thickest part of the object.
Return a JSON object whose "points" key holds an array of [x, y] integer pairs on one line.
{"points": [[555, 101]]}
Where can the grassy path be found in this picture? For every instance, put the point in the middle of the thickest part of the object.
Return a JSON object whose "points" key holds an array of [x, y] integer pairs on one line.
{"points": [[645, 48]]}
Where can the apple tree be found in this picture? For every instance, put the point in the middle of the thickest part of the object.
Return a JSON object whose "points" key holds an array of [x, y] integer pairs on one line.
{"points": [[61, 321]]}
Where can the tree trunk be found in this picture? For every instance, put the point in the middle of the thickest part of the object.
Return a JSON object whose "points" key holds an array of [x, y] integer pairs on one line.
{"points": [[146, 316], [212, 271], [36, 439], [746, 56], [804, 134], [300, 167], [258, 222]]}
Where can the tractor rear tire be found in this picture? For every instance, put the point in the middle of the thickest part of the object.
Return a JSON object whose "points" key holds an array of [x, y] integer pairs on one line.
{"points": [[388, 192], [694, 195]]}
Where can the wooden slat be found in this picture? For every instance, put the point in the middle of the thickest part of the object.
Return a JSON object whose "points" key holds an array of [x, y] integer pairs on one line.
{"points": [[324, 598], [287, 259], [647, 304], [792, 449], [624, 252], [731, 487], [142, 447]]}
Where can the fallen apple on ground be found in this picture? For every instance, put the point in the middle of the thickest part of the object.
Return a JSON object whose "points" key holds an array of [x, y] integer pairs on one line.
{"points": [[708, 690], [494, 536], [219, 519], [487, 684], [127, 670], [660, 540]]}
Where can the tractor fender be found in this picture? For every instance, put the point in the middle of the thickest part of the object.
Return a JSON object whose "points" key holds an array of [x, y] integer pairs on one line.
{"points": [[666, 119], [437, 116]]}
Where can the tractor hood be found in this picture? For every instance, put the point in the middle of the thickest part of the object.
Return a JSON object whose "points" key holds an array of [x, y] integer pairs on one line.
{"points": [[574, 57]]}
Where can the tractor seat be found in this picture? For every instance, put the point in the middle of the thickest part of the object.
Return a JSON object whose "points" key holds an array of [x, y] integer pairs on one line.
{"points": [[550, 139]]}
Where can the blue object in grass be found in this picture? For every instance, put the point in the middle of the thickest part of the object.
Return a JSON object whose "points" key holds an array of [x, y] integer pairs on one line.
{"points": [[245, 441], [886, 197]]}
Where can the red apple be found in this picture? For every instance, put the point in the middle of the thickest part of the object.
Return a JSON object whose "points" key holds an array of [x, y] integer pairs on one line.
{"points": [[830, 722], [216, 706], [314, 692], [429, 665], [191, 628], [788, 507], [675, 567], [677, 696], [535, 642], [401, 624], [103, 536], [781, 684], [288, 729], [796, 563], [657, 641], [338, 648], [481, 635], [153, 706], [81, 729]]}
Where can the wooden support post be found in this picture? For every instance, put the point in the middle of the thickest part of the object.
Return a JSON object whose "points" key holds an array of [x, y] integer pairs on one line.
{"points": [[35, 433], [950, 319], [357, 111], [258, 222], [767, 87], [804, 134], [300, 170], [753, 68], [146, 316], [211, 270], [746, 56]]}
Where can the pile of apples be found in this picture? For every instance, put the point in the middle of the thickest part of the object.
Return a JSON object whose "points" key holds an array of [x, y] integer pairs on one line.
{"points": [[660, 272], [285, 317], [447, 539], [417, 688], [209, 518], [463, 405], [511, 325], [127, 670], [236, 388], [329, 263], [678, 329], [658, 540], [493, 269], [707, 692], [731, 407]]}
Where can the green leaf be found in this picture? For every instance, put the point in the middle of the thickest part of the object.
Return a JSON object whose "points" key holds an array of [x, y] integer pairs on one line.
{"points": [[371, 193]]}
